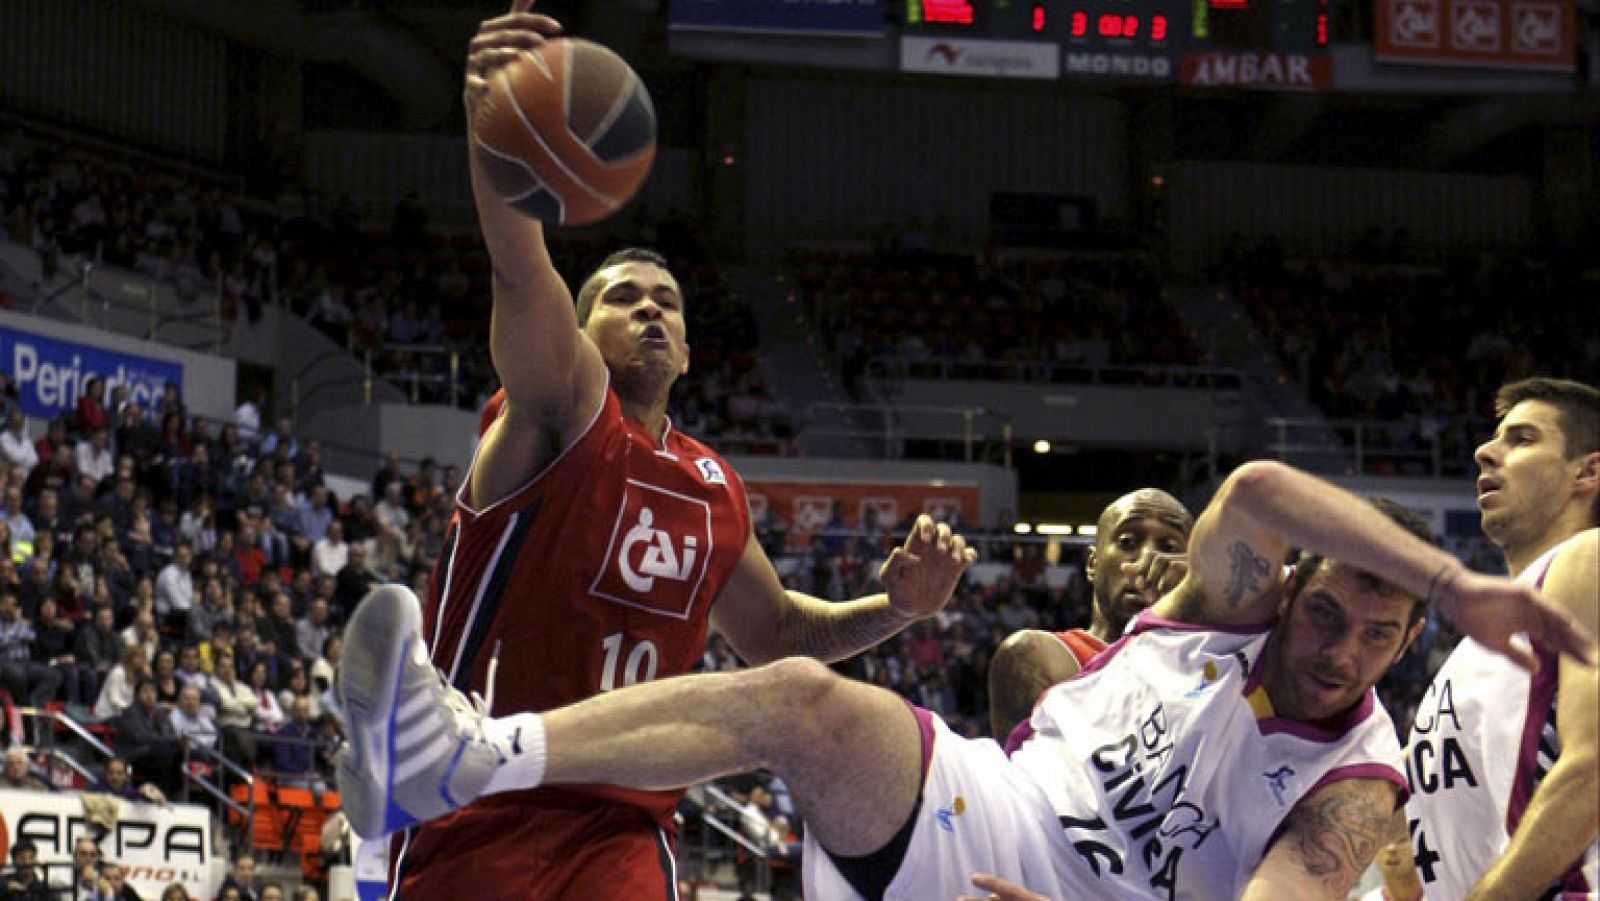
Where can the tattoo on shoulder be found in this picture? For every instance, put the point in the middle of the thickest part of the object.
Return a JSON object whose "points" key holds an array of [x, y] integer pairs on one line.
{"points": [[1247, 569], [1339, 835]]}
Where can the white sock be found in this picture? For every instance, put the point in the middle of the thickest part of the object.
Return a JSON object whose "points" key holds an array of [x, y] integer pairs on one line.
{"points": [[521, 737]]}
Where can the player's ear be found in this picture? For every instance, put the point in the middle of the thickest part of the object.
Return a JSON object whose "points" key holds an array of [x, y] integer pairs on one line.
{"points": [[684, 370], [1411, 637], [1088, 564], [1587, 478]]}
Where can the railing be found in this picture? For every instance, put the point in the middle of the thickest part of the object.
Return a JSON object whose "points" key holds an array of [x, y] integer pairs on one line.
{"points": [[891, 366], [973, 434], [715, 824], [1356, 447], [141, 317], [412, 381]]}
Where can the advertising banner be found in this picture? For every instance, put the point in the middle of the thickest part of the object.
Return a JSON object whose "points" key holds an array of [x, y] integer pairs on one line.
{"points": [[995, 59], [813, 17], [806, 506], [1258, 71], [1496, 34], [50, 372], [157, 844]]}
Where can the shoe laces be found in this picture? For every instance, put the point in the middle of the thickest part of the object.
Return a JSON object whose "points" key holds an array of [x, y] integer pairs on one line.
{"points": [[470, 712]]}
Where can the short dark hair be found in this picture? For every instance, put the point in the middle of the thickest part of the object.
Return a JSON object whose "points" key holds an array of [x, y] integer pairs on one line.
{"points": [[1578, 404], [1307, 564], [592, 285], [23, 846], [1577, 408]]}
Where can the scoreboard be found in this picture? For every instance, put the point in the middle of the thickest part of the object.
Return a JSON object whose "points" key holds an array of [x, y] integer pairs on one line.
{"points": [[1144, 23], [1133, 40]]}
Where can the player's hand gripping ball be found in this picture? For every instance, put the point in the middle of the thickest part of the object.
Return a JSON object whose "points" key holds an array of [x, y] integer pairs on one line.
{"points": [[566, 132]]}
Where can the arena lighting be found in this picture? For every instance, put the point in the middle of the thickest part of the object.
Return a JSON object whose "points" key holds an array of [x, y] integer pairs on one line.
{"points": [[1089, 530], [1042, 446], [1022, 528], [1053, 528]]}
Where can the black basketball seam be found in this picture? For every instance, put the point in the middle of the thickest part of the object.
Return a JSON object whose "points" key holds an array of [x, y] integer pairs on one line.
{"points": [[550, 154], [502, 155], [618, 104]]}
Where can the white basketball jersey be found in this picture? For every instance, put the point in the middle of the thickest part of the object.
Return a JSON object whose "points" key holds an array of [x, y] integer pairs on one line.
{"points": [[1483, 738], [1167, 782]]}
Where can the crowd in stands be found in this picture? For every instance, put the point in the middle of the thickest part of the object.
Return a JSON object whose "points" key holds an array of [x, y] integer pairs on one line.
{"points": [[180, 588], [1424, 340], [915, 312], [412, 297], [181, 583]]}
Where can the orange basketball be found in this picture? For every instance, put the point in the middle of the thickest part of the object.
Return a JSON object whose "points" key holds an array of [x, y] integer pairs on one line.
{"points": [[567, 133]]}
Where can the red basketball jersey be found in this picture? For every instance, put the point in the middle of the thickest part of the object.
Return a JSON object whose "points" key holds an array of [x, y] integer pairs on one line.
{"points": [[1083, 645], [599, 573]]}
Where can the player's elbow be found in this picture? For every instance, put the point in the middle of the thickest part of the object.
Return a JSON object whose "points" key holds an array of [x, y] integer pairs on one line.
{"points": [[1255, 481]]}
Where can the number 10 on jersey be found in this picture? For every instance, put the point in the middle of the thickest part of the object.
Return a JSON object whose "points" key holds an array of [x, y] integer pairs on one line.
{"points": [[639, 667]]}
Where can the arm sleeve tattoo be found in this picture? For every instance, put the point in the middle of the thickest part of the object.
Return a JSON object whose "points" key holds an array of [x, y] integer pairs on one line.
{"points": [[1246, 570], [1338, 835]]}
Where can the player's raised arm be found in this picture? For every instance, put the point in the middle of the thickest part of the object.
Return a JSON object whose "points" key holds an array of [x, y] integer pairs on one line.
{"points": [[1264, 508], [553, 376]]}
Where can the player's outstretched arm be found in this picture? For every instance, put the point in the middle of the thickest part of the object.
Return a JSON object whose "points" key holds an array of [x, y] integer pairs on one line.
{"points": [[554, 378], [764, 622], [1327, 842], [1563, 817], [1264, 507]]}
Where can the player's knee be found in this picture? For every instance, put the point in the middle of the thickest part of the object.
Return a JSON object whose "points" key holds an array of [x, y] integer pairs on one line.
{"points": [[797, 691], [799, 682]]}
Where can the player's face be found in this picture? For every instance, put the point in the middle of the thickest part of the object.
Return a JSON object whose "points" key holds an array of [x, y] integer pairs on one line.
{"points": [[637, 321], [1336, 639], [1135, 526], [1524, 476]]}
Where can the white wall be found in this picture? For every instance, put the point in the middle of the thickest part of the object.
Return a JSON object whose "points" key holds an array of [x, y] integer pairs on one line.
{"points": [[1174, 418]]}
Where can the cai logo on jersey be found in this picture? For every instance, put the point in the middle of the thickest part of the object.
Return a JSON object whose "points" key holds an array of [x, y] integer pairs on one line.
{"points": [[660, 544]]}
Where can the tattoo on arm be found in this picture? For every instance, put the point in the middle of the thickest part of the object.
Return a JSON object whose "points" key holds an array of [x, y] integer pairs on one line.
{"points": [[1246, 572], [1338, 836]]}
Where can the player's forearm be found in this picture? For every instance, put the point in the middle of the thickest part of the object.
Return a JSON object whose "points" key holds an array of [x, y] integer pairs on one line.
{"points": [[1562, 820], [831, 631], [1317, 515], [517, 254]]}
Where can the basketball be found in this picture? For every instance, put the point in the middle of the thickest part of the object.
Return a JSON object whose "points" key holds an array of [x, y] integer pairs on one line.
{"points": [[567, 133]]}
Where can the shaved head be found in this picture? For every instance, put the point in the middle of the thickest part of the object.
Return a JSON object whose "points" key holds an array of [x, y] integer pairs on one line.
{"points": [[1146, 519], [1148, 502]]}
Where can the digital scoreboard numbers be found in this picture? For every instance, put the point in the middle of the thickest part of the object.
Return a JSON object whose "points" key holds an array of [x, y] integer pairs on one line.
{"points": [[1130, 41], [1115, 40], [1258, 44]]}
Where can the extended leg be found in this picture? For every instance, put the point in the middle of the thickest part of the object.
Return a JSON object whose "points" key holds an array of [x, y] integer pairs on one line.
{"points": [[850, 753]]}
